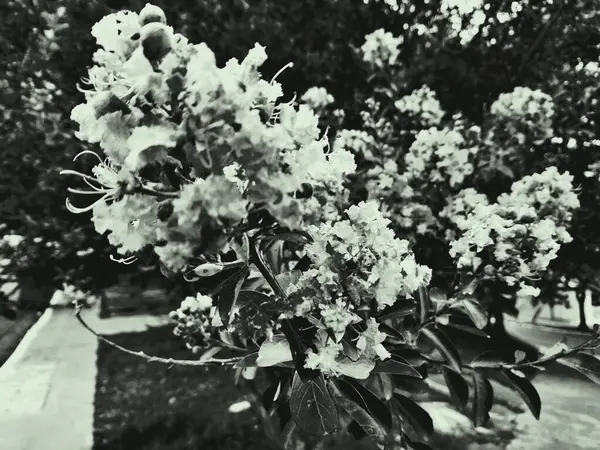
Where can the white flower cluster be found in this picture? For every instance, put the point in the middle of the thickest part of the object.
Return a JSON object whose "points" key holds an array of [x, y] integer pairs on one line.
{"points": [[422, 104], [357, 141], [526, 108], [160, 104], [520, 234], [317, 98], [462, 205], [465, 17], [386, 265], [331, 360], [194, 319], [439, 154], [381, 48]]}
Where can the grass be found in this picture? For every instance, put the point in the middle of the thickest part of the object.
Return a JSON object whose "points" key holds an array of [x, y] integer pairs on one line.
{"points": [[13, 331], [151, 406]]}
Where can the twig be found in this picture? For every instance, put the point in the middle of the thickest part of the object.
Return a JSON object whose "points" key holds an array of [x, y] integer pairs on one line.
{"points": [[170, 361], [567, 352]]}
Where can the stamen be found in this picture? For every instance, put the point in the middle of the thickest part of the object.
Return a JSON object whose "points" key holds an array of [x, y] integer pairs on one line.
{"points": [[87, 152], [127, 260], [288, 65]]}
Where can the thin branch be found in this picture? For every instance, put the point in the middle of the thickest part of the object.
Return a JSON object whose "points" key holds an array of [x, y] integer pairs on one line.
{"points": [[149, 358], [595, 340]]}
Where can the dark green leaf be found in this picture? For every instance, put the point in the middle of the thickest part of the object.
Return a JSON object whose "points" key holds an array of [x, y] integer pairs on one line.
{"points": [[366, 400], [296, 237], [414, 414], [408, 356], [356, 431], [458, 386], [397, 368], [385, 384], [254, 297], [268, 397], [304, 264], [476, 312], [392, 332], [285, 414], [364, 419], [400, 309], [312, 407], [467, 329], [229, 294], [406, 385], [300, 334], [483, 397], [412, 445], [526, 390], [469, 285], [437, 295], [446, 348], [258, 259], [425, 304], [584, 363], [274, 256]]}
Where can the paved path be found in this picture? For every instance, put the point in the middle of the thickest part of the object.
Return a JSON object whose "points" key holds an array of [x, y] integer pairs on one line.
{"points": [[570, 418], [47, 386]]}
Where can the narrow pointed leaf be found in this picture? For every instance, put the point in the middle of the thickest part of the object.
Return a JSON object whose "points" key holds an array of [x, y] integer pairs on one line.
{"points": [[366, 400], [458, 386], [400, 309], [415, 415], [526, 390], [312, 407], [437, 295], [268, 397], [483, 397], [300, 335], [394, 367], [584, 363], [366, 421], [229, 294], [476, 313], [425, 304], [445, 346]]}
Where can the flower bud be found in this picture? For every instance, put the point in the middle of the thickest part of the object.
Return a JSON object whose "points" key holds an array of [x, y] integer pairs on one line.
{"points": [[165, 210], [157, 41], [152, 13], [208, 269]]}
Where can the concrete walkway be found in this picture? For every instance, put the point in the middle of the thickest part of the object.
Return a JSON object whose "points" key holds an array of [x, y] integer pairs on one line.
{"points": [[47, 386]]}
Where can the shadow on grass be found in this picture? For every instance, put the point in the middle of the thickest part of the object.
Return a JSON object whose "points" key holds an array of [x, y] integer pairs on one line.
{"points": [[13, 331], [151, 406]]}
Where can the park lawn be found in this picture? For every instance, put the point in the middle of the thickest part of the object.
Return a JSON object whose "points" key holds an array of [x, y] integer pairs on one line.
{"points": [[13, 331], [152, 406]]}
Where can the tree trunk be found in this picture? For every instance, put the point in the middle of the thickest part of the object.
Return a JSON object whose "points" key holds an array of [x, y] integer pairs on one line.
{"points": [[582, 319]]}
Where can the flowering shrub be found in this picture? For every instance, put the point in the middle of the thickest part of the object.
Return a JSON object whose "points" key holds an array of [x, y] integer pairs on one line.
{"points": [[238, 192]]}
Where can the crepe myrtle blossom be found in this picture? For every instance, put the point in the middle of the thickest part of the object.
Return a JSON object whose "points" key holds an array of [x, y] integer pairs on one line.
{"points": [[157, 100], [423, 105], [329, 357], [525, 109], [385, 267], [194, 317], [521, 233], [317, 98], [439, 155], [381, 48]]}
